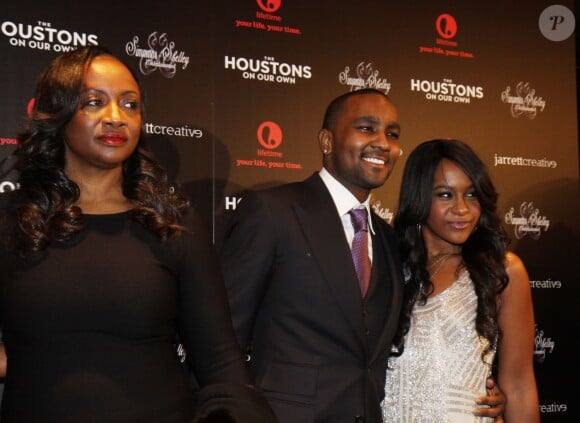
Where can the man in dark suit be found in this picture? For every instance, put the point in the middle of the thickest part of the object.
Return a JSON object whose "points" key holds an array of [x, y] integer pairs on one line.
{"points": [[318, 333], [318, 346]]}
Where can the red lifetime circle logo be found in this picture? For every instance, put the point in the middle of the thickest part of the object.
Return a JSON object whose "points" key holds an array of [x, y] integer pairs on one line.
{"points": [[269, 135], [269, 6], [30, 107], [446, 26]]}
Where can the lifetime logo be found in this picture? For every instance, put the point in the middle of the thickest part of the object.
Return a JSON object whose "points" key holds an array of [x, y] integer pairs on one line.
{"points": [[269, 6], [269, 135], [446, 26]]}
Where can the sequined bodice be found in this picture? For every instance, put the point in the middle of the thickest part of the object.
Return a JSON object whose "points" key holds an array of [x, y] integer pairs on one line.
{"points": [[441, 372]]}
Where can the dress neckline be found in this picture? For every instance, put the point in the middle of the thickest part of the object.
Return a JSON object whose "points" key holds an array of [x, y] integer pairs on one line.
{"points": [[463, 277], [104, 215]]}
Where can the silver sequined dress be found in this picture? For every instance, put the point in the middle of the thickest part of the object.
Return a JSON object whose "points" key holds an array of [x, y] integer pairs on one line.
{"points": [[440, 373]]}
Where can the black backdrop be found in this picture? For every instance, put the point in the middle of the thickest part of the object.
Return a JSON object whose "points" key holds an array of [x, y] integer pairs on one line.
{"points": [[236, 90]]}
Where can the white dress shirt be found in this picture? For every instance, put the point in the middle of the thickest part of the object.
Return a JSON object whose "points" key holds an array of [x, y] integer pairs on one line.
{"points": [[344, 201]]}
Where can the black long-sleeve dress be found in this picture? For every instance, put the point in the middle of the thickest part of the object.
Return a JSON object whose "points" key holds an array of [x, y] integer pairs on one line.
{"points": [[90, 326]]}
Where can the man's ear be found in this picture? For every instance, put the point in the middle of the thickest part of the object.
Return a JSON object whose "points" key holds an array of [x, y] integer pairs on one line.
{"points": [[325, 141]]}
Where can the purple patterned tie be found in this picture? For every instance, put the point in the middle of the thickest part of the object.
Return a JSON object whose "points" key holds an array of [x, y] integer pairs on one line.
{"points": [[360, 248]]}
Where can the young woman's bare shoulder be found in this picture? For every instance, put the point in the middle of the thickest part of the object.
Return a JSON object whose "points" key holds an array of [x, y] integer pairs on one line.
{"points": [[516, 270]]}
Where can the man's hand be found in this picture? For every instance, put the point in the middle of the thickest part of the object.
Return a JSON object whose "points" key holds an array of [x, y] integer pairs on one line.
{"points": [[493, 404]]}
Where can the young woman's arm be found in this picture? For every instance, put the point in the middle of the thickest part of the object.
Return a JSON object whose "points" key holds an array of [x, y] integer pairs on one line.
{"points": [[516, 347], [2, 361]]}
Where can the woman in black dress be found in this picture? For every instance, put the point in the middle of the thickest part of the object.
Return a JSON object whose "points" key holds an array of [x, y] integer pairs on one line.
{"points": [[104, 265]]}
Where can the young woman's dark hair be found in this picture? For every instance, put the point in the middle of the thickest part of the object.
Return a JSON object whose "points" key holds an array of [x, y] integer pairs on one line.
{"points": [[482, 254], [46, 210]]}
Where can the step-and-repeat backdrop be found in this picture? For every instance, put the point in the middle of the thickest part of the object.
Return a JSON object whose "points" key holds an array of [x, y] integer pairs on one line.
{"points": [[236, 90]]}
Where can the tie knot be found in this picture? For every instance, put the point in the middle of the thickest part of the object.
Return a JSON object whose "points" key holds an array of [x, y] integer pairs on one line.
{"points": [[359, 219]]}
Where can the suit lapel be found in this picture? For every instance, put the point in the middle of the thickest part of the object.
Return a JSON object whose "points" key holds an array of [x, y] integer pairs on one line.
{"points": [[394, 300], [324, 232]]}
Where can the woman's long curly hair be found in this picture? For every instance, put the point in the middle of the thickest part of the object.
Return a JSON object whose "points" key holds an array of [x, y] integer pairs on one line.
{"points": [[483, 254], [46, 210]]}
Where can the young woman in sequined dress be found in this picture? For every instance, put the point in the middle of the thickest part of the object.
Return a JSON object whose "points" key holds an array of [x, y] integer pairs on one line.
{"points": [[467, 298]]}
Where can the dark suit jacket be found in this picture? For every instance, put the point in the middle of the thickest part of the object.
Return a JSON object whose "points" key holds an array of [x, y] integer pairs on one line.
{"points": [[294, 297]]}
